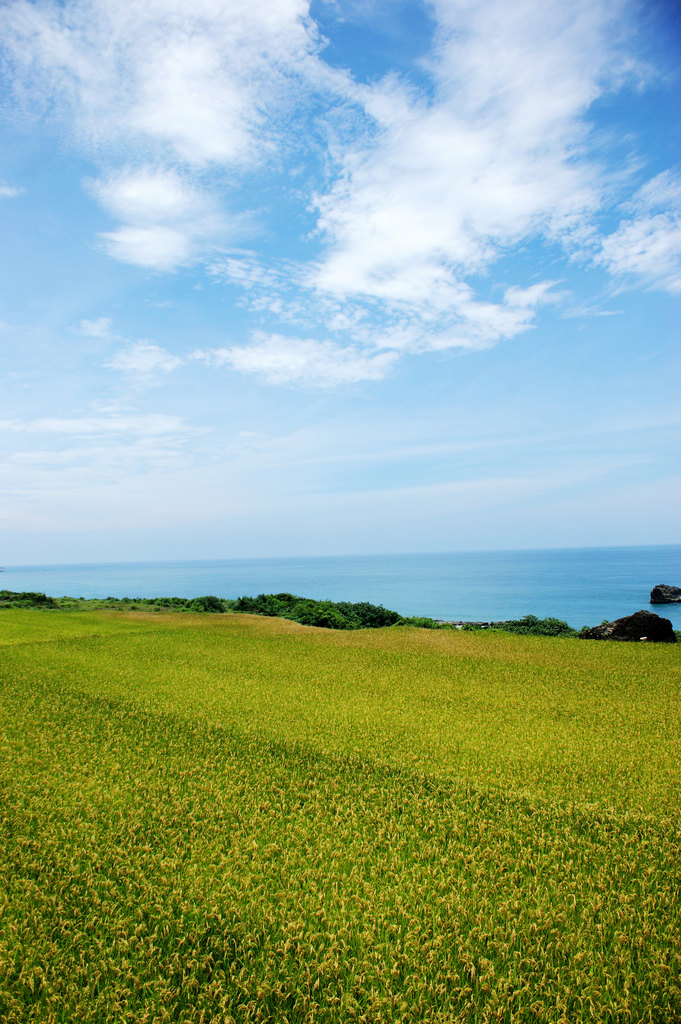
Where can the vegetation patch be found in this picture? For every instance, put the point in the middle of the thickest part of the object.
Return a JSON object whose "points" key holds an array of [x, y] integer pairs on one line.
{"points": [[306, 610], [529, 625], [329, 614], [26, 599]]}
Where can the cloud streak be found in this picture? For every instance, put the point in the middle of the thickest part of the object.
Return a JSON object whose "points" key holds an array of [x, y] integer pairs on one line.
{"points": [[150, 425], [288, 360], [647, 244], [144, 361]]}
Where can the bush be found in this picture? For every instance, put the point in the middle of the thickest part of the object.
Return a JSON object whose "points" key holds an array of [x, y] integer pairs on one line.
{"points": [[210, 603], [323, 614], [422, 622], [26, 599], [370, 616], [530, 625], [309, 612]]}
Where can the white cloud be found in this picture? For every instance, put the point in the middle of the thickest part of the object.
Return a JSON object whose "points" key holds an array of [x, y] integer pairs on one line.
{"points": [[648, 244], [246, 271], [188, 78], [156, 247], [9, 191], [648, 247], [426, 311], [496, 156], [149, 195], [162, 85], [169, 220], [180, 100], [99, 328], [144, 360], [468, 324], [536, 294], [661, 191], [283, 360]]}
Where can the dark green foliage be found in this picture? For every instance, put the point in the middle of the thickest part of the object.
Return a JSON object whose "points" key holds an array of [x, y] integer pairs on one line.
{"points": [[423, 622], [329, 614], [323, 614], [371, 615], [210, 603], [27, 599], [530, 625]]}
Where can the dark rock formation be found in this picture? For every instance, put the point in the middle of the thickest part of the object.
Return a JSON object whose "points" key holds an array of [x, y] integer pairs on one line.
{"points": [[662, 594], [639, 626]]}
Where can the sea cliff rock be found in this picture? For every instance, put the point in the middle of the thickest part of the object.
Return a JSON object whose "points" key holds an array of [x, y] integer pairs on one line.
{"points": [[663, 594], [640, 626]]}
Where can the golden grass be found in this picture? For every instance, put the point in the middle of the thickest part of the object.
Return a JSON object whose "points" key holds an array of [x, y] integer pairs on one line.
{"points": [[230, 818]]}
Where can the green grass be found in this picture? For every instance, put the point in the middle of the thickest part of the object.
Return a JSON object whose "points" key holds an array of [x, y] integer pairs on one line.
{"points": [[231, 818]]}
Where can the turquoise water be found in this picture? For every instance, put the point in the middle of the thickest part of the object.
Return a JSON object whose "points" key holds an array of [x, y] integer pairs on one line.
{"points": [[582, 586]]}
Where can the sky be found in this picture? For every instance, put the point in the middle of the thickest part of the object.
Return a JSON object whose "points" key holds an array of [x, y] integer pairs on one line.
{"points": [[285, 278]]}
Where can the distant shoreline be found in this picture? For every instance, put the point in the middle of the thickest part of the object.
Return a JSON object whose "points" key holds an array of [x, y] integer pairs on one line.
{"points": [[339, 615], [579, 586]]}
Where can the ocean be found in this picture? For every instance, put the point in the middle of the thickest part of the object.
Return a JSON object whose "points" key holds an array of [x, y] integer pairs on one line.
{"points": [[581, 586]]}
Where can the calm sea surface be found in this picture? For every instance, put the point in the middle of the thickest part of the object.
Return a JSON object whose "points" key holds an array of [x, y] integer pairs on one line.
{"points": [[581, 586]]}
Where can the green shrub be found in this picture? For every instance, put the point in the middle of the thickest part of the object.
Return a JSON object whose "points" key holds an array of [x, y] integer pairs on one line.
{"points": [[210, 603], [422, 622], [26, 599], [310, 612], [530, 625]]}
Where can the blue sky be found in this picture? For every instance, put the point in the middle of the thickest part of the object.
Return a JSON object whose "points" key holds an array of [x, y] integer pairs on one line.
{"points": [[285, 278]]}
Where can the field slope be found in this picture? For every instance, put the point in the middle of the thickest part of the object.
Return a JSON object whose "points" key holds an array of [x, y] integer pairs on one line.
{"points": [[228, 818]]}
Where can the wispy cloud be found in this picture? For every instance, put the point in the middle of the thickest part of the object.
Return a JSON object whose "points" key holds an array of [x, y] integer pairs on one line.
{"points": [[99, 328], [64, 460], [496, 156], [152, 424], [437, 188], [10, 191], [144, 361], [287, 360], [147, 195], [189, 78], [167, 220], [430, 313], [647, 243], [155, 246], [173, 89]]}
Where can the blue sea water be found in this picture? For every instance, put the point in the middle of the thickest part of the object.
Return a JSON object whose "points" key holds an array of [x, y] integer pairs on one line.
{"points": [[582, 586]]}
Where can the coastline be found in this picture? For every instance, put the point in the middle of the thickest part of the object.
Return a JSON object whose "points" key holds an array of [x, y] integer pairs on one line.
{"points": [[641, 626], [579, 586]]}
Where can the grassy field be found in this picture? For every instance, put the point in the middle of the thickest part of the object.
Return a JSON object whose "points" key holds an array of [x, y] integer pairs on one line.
{"points": [[228, 818]]}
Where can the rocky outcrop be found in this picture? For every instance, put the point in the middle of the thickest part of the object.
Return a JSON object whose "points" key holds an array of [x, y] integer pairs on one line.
{"points": [[640, 626], [663, 594]]}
